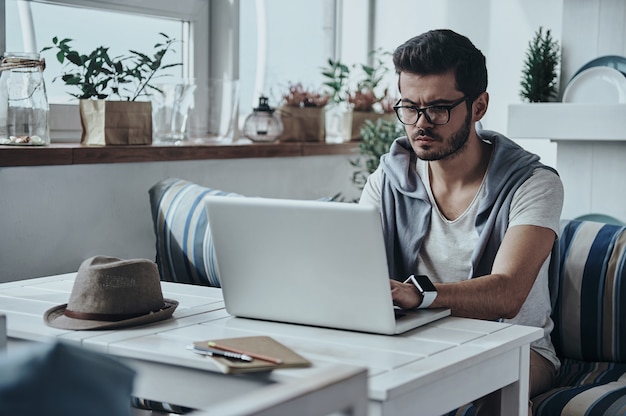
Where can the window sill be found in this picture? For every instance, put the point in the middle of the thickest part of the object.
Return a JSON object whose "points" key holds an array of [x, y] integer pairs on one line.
{"points": [[74, 153]]}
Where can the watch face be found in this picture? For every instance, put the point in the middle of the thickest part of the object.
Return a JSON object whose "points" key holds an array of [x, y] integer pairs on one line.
{"points": [[425, 283]]}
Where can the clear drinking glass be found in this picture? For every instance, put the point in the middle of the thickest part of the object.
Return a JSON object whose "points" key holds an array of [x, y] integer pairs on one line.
{"points": [[170, 109], [23, 101]]}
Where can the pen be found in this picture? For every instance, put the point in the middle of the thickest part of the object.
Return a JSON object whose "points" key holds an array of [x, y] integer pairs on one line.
{"points": [[219, 353], [247, 353]]}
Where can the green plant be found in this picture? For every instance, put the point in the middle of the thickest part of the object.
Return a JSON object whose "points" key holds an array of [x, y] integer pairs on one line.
{"points": [[99, 76], [376, 140], [363, 95], [336, 75], [539, 76]]}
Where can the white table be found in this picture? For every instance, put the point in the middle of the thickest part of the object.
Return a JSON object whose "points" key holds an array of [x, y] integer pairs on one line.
{"points": [[427, 371]]}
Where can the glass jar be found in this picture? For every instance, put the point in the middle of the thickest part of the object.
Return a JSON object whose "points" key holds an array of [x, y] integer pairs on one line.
{"points": [[263, 125], [23, 102]]}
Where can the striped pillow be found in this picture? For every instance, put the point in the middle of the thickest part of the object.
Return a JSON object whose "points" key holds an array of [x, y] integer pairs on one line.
{"points": [[590, 313], [184, 248], [598, 399]]}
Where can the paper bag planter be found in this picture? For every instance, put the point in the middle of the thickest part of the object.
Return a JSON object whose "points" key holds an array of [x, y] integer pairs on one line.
{"points": [[302, 124], [353, 121], [107, 122]]}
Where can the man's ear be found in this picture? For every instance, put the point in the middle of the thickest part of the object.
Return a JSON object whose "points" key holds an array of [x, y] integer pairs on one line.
{"points": [[479, 106]]}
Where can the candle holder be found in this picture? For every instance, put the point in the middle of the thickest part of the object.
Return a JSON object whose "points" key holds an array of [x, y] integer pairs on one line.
{"points": [[263, 125]]}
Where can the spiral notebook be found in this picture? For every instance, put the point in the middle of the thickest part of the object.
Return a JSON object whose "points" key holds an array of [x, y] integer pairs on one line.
{"points": [[307, 262]]}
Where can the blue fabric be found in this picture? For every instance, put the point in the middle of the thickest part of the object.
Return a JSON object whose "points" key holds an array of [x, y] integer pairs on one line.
{"points": [[184, 247], [590, 328], [62, 380], [589, 313], [600, 399]]}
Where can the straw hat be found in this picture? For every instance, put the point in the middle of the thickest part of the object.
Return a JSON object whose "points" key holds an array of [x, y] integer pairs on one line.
{"points": [[112, 293]]}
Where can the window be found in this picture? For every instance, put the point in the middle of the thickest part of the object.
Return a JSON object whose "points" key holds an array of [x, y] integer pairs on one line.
{"points": [[118, 21], [265, 44]]}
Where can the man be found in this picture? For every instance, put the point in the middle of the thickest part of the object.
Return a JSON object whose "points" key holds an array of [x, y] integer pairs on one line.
{"points": [[470, 209]]}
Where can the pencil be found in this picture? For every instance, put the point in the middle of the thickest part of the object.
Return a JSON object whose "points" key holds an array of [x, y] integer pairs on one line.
{"points": [[248, 353]]}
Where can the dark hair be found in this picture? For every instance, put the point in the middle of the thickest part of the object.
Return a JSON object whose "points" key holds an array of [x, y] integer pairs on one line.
{"points": [[439, 51]]}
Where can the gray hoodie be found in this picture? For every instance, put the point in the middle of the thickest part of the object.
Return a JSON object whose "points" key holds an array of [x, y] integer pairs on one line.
{"points": [[406, 207]]}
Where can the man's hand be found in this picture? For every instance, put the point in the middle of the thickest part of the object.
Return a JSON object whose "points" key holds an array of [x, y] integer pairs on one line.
{"points": [[405, 295]]}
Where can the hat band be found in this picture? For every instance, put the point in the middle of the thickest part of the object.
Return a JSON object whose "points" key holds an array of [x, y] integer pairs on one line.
{"points": [[113, 317]]}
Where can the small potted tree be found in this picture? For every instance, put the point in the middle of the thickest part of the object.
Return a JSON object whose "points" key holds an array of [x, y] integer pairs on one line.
{"points": [[539, 75], [113, 92]]}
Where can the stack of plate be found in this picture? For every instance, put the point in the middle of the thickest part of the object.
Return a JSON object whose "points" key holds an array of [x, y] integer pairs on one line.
{"points": [[600, 81]]}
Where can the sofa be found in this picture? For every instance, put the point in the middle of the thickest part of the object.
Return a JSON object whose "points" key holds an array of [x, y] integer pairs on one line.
{"points": [[589, 297]]}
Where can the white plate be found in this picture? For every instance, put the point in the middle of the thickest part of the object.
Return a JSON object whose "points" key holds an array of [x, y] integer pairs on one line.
{"points": [[597, 85]]}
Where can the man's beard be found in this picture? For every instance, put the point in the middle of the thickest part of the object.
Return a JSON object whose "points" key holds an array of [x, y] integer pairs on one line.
{"points": [[455, 144]]}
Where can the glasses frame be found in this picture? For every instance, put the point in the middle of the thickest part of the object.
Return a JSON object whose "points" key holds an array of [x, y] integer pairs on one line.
{"points": [[423, 110]]}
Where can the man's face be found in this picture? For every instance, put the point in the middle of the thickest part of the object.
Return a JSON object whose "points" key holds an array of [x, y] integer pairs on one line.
{"points": [[430, 141]]}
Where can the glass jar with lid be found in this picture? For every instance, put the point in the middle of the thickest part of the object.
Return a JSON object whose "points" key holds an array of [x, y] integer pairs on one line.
{"points": [[23, 101]]}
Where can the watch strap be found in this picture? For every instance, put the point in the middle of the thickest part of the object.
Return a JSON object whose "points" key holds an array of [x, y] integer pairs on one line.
{"points": [[428, 297]]}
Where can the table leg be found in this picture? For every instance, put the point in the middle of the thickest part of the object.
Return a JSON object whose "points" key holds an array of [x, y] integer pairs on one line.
{"points": [[514, 397]]}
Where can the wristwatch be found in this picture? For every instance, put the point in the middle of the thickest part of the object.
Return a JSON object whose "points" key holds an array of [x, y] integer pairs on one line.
{"points": [[426, 289]]}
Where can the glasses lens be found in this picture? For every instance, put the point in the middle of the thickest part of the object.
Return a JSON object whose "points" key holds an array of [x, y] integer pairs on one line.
{"points": [[407, 115], [438, 115]]}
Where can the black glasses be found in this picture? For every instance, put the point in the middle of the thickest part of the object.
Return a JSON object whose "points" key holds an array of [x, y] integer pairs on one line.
{"points": [[435, 114]]}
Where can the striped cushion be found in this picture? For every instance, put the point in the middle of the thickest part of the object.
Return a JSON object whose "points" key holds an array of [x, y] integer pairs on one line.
{"points": [[184, 248], [590, 313], [580, 373], [598, 399], [590, 326]]}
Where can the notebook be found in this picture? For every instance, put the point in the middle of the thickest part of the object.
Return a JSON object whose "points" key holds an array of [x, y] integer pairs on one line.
{"points": [[264, 345], [307, 262]]}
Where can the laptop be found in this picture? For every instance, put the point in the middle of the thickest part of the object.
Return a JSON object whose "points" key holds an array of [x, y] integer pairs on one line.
{"points": [[307, 262]]}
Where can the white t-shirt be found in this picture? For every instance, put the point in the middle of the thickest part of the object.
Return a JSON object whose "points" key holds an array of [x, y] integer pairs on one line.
{"points": [[538, 201]]}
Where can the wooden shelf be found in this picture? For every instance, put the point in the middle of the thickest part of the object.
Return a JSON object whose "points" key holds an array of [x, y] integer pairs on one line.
{"points": [[71, 154]]}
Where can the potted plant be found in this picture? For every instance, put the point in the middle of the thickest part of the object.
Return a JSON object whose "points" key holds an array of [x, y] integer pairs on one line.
{"points": [[360, 103], [302, 112], [377, 137], [111, 89], [539, 76]]}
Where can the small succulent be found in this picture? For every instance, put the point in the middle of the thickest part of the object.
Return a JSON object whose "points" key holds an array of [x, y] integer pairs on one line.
{"points": [[298, 96]]}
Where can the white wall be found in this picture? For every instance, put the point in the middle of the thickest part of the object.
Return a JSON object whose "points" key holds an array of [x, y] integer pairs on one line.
{"points": [[592, 171], [53, 217]]}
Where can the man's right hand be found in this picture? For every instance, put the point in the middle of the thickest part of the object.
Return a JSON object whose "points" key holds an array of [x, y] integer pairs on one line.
{"points": [[405, 295]]}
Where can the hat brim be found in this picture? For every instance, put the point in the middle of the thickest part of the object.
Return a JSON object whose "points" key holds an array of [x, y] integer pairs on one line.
{"points": [[55, 318]]}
